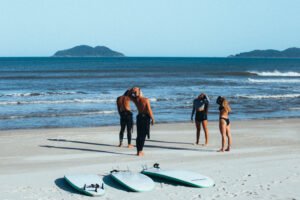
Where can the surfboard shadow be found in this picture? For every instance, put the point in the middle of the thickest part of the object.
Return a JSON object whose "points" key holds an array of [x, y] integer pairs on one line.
{"points": [[62, 184], [162, 181], [112, 183], [83, 149]]}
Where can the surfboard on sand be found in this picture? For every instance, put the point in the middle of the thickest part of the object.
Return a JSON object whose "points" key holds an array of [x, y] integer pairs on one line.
{"points": [[89, 184], [136, 182], [180, 176]]}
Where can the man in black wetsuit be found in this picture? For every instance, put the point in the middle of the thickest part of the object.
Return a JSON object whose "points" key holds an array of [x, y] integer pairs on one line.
{"points": [[143, 118], [126, 120]]}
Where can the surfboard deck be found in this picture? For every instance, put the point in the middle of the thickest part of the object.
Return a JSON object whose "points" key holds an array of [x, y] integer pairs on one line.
{"points": [[181, 176], [84, 183], [136, 182]]}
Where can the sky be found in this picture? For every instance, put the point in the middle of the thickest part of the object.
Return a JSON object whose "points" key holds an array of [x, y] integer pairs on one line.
{"points": [[187, 28]]}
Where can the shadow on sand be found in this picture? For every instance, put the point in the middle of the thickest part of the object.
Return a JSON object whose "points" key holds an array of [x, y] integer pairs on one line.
{"points": [[83, 149], [167, 142], [109, 145]]}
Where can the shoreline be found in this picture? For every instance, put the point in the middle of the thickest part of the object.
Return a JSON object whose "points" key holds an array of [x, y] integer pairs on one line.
{"points": [[156, 123], [263, 162]]}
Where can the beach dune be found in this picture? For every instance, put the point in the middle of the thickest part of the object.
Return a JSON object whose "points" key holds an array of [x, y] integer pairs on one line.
{"points": [[263, 163]]}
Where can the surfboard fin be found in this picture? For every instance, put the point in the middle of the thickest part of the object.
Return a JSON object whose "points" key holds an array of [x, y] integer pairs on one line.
{"points": [[156, 165]]}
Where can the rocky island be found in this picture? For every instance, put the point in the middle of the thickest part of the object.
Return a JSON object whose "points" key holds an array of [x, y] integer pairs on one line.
{"points": [[88, 51], [270, 53]]}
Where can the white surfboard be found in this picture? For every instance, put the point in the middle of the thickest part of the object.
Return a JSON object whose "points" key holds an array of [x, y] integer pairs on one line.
{"points": [[136, 182], [89, 184], [180, 176]]}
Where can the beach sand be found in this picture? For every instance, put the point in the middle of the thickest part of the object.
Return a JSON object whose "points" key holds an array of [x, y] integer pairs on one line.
{"points": [[264, 162]]}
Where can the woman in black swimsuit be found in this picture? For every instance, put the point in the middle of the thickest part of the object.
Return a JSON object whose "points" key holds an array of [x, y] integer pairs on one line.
{"points": [[200, 105], [224, 123]]}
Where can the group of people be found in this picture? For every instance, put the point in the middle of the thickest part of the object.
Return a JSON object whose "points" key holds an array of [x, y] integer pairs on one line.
{"points": [[200, 106], [145, 118]]}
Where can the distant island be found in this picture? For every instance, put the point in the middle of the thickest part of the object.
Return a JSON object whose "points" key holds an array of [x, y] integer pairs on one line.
{"points": [[87, 51], [270, 53]]}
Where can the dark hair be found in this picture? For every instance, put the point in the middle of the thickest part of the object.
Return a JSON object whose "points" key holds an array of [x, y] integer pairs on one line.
{"points": [[126, 93], [220, 100]]}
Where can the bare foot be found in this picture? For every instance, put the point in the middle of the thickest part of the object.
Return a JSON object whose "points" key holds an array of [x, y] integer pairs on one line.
{"points": [[205, 145], [196, 143], [130, 146], [140, 153], [221, 150]]}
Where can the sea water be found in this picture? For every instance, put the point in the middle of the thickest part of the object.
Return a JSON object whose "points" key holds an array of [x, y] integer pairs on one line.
{"points": [[82, 92]]}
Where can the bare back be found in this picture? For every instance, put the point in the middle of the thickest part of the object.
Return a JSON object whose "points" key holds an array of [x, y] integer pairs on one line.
{"points": [[143, 106], [123, 103]]}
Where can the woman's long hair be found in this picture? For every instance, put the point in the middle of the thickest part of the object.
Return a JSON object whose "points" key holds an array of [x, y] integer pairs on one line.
{"points": [[225, 105]]}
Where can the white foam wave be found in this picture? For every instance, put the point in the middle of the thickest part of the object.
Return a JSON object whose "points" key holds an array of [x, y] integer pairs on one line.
{"points": [[29, 94], [104, 112], [153, 99], [58, 101], [274, 80], [276, 73], [279, 96], [296, 108]]}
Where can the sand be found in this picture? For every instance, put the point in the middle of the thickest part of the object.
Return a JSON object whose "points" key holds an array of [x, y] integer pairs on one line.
{"points": [[263, 163]]}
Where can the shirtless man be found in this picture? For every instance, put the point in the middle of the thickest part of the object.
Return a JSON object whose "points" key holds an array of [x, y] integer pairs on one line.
{"points": [[123, 104], [143, 118]]}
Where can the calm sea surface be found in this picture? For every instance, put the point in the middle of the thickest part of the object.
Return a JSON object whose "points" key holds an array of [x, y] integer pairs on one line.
{"points": [[81, 92]]}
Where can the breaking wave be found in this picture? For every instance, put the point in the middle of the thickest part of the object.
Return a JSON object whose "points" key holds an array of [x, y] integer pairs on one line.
{"points": [[37, 115], [31, 94], [279, 96], [276, 73], [274, 80], [58, 101]]}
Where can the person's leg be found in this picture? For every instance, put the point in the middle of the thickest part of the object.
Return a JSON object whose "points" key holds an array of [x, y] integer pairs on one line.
{"points": [[198, 129], [222, 127], [145, 128], [138, 135], [121, 134], [129, 130], [142, 143], [228, 133], [204, 125]]}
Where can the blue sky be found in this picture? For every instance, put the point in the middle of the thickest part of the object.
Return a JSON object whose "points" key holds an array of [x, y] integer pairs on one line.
{"points": [[148, 28]]}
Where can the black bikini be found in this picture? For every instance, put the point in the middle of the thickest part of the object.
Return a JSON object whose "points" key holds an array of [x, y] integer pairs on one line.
{"points": [[226, 119]]}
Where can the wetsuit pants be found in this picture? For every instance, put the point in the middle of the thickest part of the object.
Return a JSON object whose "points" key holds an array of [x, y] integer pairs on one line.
{"points": [[126, 121], [143, 130]]}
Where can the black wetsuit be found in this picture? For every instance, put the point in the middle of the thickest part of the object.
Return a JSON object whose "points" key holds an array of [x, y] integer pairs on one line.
{"points": [[126, 120], [201, 107], [143, 130]]}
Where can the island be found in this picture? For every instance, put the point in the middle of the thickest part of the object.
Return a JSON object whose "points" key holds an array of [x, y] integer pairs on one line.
{"points": [[270, 53], [88, 51]]}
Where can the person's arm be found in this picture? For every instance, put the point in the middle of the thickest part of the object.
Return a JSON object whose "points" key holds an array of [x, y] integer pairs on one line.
{"points": [[193, 111], [118, 105], [206, 100], [150, 111], [206, 107]]}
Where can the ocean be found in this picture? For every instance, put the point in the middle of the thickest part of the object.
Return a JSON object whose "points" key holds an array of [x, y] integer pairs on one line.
{"points": [[81, 92]]}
